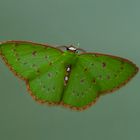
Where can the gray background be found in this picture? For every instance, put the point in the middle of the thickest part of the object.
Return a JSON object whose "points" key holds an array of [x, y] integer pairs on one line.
{"points": [[105, 26]]}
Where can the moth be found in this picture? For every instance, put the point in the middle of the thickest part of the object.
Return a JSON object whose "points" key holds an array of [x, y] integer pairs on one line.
{"points": [[70, 77]]}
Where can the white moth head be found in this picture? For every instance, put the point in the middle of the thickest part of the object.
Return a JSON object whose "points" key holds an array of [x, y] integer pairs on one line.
{"points": [[71, 48]]}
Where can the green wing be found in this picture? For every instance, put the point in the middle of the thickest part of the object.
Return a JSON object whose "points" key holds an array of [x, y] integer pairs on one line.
{"points": [[79, 93], [38, 65], [93, 75], [28, 59], [48, 87], [107, 72]]}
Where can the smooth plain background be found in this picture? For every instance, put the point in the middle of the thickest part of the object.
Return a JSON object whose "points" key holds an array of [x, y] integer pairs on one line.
{"points": [[105, 26]]}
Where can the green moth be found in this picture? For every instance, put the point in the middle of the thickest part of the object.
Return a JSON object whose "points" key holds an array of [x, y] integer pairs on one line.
{"points": [[69, 77]]}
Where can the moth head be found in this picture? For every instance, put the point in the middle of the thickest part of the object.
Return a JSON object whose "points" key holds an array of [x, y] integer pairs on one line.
{"points": [[72, 49]]}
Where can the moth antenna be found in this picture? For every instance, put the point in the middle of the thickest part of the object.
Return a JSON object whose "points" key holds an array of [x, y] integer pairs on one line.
{"points": [[78, 44]]}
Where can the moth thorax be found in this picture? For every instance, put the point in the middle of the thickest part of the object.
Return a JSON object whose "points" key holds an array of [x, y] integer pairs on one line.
{"points": [[68, 69], [66, 78]]}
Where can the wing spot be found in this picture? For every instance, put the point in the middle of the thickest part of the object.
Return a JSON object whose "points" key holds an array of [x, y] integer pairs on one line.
{"points": [[116, 75], [17, 59], [13, 49], [16, 54], [92, 64], [34, 53], [46, 57], [48, 89], [78, 94], [50, 63], [103, 64], [33, 65], [38, 71], [56, 72], [49, 75], [108, 77], [94, 81], [100, 77], [43, 87], [82, 81], [82, 94], [121, 67], [73, 92], [24, 63], [118, 71], [85, 69]]}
